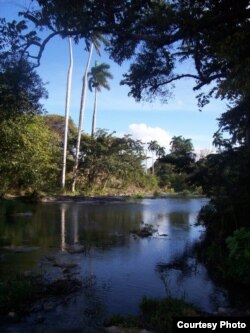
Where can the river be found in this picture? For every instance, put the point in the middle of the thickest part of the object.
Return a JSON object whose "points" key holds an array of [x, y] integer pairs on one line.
{"points": [[118, 267]]}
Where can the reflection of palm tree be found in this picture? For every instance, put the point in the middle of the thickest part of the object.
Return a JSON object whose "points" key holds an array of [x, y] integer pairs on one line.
{"points": [[98, 79], [75, 225], [63, 232]]}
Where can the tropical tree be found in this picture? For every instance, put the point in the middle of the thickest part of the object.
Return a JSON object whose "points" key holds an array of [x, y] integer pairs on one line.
{"points": [[93, 42], [29, 155], [81, 113], [98, 79], [173, 169], [56, 124], [67, 105], [109, 162], [153, 147], [21, 88], [181, 154]]}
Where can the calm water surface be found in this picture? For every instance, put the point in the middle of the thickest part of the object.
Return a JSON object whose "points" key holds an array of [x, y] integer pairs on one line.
{"points": [[123, 267]]}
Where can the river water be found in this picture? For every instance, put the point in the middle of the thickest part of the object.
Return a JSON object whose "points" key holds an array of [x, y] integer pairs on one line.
{"points": [[120, 267]]}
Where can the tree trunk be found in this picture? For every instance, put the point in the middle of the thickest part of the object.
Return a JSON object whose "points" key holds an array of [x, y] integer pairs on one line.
{"points": [[153, 165], [82, 108], [66, 120], [94, 115]]}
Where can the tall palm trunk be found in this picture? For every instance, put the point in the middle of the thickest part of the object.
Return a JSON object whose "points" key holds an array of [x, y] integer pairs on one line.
{"points": [[66, 120], [82, 108], [153, 164], [94, 114]]}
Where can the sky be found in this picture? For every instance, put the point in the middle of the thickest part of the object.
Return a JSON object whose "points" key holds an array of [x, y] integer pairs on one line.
{"points": [[116, 111]]}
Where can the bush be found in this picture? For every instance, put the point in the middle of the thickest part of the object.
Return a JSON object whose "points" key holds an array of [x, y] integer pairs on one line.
{"points": [[158, 314], [239, 255]]}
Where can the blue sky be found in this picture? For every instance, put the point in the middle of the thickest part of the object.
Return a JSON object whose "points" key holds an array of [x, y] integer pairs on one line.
{"points": [[116, 111]]}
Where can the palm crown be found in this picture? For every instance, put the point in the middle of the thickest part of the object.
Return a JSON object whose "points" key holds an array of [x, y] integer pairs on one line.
{"points": [[98, 77]]}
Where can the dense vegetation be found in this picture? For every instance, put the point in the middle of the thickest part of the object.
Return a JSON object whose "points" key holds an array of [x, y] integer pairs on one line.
{"points": [[213, 34], [156, 315]]}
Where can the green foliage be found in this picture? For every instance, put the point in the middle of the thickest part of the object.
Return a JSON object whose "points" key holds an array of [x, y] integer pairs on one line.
{"points": [[98, 77], [126, 322], [156, 315], [111, 162], [181, 30], [20, 88], [225, 178], [159, 314], [56, 124], [159, 63], [158, 35], [173, 169], [29, 155], [238, 246], [236, 122]]}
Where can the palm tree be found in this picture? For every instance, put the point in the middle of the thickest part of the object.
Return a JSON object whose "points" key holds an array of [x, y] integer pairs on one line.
{"points": [[98, 79], [66, 121], [153, 147], [95, 41]]}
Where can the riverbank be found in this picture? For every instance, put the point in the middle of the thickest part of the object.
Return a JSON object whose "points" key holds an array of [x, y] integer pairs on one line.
{"points": [[42, 197]]}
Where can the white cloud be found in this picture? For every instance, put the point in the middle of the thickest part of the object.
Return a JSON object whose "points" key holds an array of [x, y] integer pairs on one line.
{"points": [[146, 134]]}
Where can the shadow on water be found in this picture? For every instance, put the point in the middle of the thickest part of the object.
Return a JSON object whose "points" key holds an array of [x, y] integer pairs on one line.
{"points": [[91, 242], [185, 278]]}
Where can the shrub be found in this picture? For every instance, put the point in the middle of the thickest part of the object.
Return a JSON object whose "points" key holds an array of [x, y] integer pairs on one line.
{"points": [[239, 255]]}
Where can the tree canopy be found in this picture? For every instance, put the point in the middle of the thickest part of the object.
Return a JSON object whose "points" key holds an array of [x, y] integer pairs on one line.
{"points": [[29, 154], [157, 35], [20, 89]]}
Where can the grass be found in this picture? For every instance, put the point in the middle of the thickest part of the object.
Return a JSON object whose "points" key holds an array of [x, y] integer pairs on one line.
{"points": [[156, 315]]}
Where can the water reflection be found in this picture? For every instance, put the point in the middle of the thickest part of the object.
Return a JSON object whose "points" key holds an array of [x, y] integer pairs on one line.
{"points": [[125, 263], [75, 226], [63, 210]]}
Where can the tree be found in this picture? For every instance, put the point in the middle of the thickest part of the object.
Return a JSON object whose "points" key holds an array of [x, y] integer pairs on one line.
{"points": [[29, 155], [180, 145], [161, 34], [93, 41], [185, 30], [67, 104], [56, 124], [235, 122], [20, 89], [110, 162], [82, 109], [173, 169], [156, 150], [98, 79], [181, 154]]}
